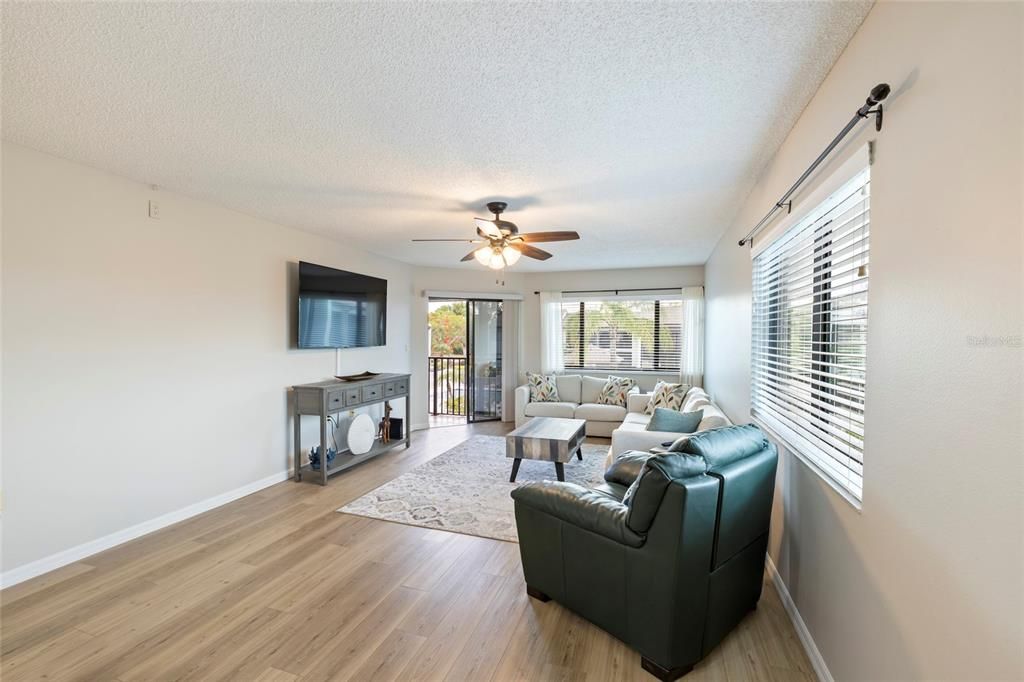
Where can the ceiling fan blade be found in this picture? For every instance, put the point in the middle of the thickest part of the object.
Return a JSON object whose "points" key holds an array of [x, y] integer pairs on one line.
{"points": [[463, 241], [531, 251], [562, 236], [487, 228], [468, 256]]}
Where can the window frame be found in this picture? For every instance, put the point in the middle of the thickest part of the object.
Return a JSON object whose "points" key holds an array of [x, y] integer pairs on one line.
{"points": [[657, 368]]}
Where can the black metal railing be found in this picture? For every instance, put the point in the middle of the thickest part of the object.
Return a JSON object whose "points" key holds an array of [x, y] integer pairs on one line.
{"points": [[446, 384]]}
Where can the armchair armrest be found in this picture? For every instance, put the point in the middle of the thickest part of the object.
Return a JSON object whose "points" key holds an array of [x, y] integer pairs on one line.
{"points": [[522, 397], [637, 402], [626, 467], [586, 509]]}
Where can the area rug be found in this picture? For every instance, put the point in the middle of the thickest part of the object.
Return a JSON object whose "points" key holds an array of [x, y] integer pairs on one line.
{"points": [[466, 489]]}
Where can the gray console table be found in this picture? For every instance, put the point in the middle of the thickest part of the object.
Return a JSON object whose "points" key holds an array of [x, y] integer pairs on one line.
{"points": [[324, 398]]}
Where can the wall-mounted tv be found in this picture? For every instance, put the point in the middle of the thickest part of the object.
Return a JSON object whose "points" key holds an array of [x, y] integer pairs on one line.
{"points": [[340, 309]]}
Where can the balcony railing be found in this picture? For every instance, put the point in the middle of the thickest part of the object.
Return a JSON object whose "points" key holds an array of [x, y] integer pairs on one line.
{"points": [[446, 383]]}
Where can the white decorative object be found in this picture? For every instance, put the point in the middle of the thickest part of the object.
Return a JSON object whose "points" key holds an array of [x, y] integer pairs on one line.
{"points": [[361, 432]]}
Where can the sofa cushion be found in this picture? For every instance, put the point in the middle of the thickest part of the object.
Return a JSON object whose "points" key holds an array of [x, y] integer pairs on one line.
{"points": [[569, 387], [692, 396], [543, 388], [591, 389], [615, 391], [637, 419], [669, 396], [561, 409], [670, 420], [600, 413], [713, 422]]}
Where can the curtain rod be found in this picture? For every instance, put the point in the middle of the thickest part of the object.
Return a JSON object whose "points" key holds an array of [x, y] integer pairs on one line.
{"points": [[616, 291], [878, 93]]}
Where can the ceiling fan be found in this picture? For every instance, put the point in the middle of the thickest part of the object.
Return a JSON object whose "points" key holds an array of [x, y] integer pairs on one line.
{"points": [[502, 242]]}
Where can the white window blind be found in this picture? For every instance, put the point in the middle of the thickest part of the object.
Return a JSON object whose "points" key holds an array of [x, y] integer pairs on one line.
{"points": [[809, 334], [641, 333]]}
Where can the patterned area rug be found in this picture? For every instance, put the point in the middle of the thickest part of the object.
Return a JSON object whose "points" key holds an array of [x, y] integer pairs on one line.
{"points": [[466, 489]]}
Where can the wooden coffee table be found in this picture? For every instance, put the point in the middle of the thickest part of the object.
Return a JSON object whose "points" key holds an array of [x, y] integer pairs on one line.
{"points": [[549, 439]]}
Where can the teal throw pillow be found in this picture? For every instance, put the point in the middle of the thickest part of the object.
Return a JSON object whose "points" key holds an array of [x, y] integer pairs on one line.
{"points": [[676, 422]]}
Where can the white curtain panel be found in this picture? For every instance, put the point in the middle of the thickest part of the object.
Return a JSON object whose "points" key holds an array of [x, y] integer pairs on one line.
{"points": [[691, 361], [510, 345], [551, 359]]}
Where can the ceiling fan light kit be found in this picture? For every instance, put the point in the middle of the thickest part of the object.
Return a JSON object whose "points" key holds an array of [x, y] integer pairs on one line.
{"points": [[503, 244]]}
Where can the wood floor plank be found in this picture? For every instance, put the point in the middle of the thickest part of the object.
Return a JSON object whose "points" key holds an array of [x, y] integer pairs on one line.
{"points": [[275, 675], [439, 651], [386, 662], [279, 587]]}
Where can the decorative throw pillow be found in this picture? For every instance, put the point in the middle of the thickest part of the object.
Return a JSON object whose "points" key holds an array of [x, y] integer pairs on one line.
{"points": [[542, 388], [669, 396], [615, 391], [676, 422]]}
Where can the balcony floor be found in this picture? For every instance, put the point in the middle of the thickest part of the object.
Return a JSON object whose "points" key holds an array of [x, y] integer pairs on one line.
{"points": [[445, 420]]}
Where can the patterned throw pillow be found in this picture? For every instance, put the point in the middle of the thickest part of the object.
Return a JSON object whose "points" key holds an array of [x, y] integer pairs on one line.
{"points": [[615, 391], [669, 396], [542, 388]]}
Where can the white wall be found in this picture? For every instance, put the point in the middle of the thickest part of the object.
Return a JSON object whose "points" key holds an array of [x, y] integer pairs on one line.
{"points": [[927, 582], [146, 363]]}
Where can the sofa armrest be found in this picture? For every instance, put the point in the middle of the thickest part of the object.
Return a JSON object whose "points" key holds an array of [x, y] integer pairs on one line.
{"points": [[637, 402], [575, 505], [522, 396]]}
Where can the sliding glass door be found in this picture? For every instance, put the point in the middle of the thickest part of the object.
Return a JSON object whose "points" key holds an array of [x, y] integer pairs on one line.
{"points": [[483, 374]]}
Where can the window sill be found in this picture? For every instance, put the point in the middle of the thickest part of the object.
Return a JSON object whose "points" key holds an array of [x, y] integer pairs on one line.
{"points": [[821, 474]]}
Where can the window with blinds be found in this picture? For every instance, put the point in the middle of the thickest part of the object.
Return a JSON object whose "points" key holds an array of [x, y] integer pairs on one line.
{"points": [[809, 334], [622, 334]]}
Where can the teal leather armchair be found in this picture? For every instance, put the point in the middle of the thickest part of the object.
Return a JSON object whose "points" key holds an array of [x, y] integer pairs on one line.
{"points": [[667, 555]]}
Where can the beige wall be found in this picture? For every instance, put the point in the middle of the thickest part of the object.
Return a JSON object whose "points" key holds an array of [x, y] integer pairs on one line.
{"points": [[146, 362], [927, 582]]}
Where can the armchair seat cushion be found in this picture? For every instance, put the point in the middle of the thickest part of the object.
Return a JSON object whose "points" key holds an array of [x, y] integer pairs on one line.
{"points": [[564, 410], [601, 413]]}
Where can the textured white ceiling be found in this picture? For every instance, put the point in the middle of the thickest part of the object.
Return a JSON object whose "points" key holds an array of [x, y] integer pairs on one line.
{"points": [[642, 126]]}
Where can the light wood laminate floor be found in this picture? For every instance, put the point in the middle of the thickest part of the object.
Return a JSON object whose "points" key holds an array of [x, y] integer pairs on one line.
{"points": [[277, 586]]}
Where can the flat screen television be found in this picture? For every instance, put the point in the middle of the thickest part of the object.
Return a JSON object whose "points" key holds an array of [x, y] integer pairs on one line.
{"points": [[340, 309]]}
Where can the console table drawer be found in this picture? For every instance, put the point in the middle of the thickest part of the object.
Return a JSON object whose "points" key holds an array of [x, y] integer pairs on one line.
{"points": [[401, 387], [352, 396], [372, 392], [335, 400], [389, 389]]}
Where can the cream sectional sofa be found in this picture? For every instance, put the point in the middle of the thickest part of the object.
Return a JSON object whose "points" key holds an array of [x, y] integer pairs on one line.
{"points": [[577, 400], [632, 434]]}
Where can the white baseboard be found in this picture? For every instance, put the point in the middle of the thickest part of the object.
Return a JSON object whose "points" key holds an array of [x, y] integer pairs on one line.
{"points": [[79, 552], [419, 427], [817, 661]]}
